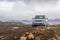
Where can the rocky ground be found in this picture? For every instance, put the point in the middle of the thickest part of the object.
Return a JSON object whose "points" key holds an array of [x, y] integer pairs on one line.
{"points": [[14, 33], [40, 33]]}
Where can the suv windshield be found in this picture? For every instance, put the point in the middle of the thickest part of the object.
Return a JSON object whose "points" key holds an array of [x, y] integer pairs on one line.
{"points": [[39, 17]]}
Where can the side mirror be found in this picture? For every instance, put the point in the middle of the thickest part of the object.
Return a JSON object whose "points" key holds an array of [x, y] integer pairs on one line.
{"points": [[46, 19], [32, 18]]}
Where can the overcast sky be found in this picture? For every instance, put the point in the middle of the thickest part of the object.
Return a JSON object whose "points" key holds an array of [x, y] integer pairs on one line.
{"points": [[26, 9]]}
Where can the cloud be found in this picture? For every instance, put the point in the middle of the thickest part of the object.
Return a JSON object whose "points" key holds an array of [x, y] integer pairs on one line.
{"points": [[6, 6], [34, 8], [26, 9]]}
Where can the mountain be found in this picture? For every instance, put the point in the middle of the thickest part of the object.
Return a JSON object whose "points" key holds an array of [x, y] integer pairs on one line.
{"points": [[50, 21], [23, 21], [54, 21], [27, 21]]}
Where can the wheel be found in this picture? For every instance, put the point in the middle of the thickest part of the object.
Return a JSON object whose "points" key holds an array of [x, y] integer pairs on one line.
{"points": [[43, 25], [34, 25]]}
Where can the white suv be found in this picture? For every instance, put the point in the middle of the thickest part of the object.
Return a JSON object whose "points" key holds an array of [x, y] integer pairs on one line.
{"points": [[39, 20]]}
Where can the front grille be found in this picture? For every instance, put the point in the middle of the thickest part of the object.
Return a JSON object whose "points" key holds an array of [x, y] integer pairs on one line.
{"points": [[38, 20]]}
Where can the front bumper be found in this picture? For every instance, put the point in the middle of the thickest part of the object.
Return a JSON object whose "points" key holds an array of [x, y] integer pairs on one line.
{"points": [[39, 24]]}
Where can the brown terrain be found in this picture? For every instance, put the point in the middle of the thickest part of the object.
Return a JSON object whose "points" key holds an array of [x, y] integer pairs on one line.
{"points": [[14, 30]]}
